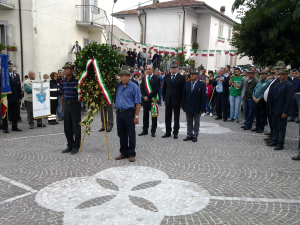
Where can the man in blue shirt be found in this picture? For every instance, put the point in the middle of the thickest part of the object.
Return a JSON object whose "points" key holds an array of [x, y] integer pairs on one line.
{"points": [[72, 110], [295, 106], [128, 104]]}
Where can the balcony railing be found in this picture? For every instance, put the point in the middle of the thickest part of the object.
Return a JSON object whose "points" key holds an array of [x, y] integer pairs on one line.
{"points": [[7, 4], [90, 15]]}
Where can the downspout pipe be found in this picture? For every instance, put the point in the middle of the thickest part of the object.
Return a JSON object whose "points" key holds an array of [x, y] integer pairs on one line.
{"points": [[21, 40], [145, 26], [183, 27], [142, 29]]}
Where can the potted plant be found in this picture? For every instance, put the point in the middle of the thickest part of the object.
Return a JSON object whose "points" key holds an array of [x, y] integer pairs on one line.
{"points": [[195, 45], [11, 48], [1, 47]]}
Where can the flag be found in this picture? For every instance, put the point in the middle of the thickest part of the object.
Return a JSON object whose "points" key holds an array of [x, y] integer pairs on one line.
{"points": [[198, 52], [122, 41], [192, 51], [134, 42], [167, 50], [184, 51], [155, 48], [219, 39], [223, 40], [139, 45], [161, 49], [127, 42], [226, 52], [211, 52], [144, 46], [232, 52], [150, 47], [172, 51], [5, 84], [204, 53], [179, 51]]}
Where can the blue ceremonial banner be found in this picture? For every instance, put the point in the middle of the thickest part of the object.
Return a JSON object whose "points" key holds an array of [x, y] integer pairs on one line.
{"points": [[5, 83]]}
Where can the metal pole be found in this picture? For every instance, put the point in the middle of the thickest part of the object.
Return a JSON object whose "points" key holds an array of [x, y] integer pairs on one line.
{"points": [[21, 41], [112, 23]]}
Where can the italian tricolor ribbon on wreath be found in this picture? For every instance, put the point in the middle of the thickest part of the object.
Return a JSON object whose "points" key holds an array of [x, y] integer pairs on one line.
{"points": [[154, 100], [100, 80]]}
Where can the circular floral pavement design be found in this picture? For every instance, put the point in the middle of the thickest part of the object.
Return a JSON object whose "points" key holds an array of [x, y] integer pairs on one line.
{"points": [[123, 195]]}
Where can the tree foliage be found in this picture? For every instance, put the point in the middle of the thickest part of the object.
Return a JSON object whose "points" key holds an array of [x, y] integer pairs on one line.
{"points": [[268, 31]]}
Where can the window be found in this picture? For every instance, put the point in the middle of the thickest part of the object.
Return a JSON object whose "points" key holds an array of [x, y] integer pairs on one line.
{"points": [[229, 33], [218, 59], [221, 25], [94, 4], [194, 33], [85, 42]]}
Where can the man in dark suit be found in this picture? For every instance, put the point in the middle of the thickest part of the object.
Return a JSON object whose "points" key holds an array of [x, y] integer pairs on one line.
{"points": [[15, 97], [147, 98], [193, 104], [281, 100], [221, 83], [172, 96]]}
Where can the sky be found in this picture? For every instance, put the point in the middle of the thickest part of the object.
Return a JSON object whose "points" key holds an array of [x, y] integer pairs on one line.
{"points": [[132, 4]]}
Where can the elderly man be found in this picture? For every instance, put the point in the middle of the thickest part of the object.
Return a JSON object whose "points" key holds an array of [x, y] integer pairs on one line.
{"points": [[149, 94], [28, 98], [193, 104], [72, 110], [128, 104], [281, 103], [172, 96]]}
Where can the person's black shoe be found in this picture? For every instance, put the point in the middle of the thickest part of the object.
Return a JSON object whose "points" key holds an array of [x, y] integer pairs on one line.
{"points": [[108, 130], [143, 133], [166, 135], [74, 151], [218, 118], [175, 136], [224, 120], [194, 139], [278, 147], [153, 135], [230, 120], [67, 150], [291, 120], [242, 126], [246, 128], [254, 129], [259, 131], [41, 125], [5, 131], [102, 129], [188, 138], [296, 157], [272, 144], [16, 129]]}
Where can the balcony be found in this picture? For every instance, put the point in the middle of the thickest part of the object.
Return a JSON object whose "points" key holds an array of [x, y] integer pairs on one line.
{"points": [[7, 4], [90, 16]]}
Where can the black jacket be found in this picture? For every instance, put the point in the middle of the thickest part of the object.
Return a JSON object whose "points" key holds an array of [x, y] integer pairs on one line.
{"points": [[226, 86], [154, 82], [54, 88], [16, 91], [172, 93], [284, 98], [194, 102]]}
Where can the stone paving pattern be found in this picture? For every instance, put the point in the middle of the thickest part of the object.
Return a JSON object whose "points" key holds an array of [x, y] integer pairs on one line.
{"points": [[235, 164]]}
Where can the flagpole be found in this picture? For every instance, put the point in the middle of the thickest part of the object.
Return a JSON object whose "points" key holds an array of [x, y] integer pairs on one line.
{"points": [[83, 139], [105, 133]]}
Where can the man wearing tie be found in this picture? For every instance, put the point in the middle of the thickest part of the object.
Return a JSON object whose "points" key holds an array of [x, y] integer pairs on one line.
{"points": [[147, 99], [193, 104], [15, 97], [172, 96]]}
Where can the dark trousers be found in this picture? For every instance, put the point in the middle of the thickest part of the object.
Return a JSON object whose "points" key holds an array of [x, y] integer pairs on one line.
{"points": [[126, 132], [159, 95], [72, 118], [279, 129], [30, 109], [4, 121], [261, 115], [222, 105], [249, 112], [14, 111], [54, 105], [147, 109], [168, 119]]}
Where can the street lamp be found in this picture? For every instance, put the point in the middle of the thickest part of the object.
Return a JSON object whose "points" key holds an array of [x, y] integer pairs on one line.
{"points": [[112, 22]]}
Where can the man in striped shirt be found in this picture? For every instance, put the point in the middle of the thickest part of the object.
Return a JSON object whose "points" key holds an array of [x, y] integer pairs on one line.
{"points": [[72, 110]]}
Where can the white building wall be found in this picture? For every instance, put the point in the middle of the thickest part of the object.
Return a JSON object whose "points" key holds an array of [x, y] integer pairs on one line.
{"points": [[132, 27]]}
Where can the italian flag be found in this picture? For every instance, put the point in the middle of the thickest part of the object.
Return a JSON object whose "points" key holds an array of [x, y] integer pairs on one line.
{"points": [[155, 48], [161, 49], [192, 51], [226, 52], [127, 42], [185, 51], [135, 43], [219, 39], [198, 52], [167, 50], [3, 104], [223, 40], [150, 47], [211, 52], [218, 51], [173, 52], [204, 53], [232, 52], [144, 46], [139, 45], [122, 41], [179, 51]]}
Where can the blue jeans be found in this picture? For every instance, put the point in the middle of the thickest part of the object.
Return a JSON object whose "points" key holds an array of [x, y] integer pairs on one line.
{"points": [[249, 112], [295, 106], [235, 105], [159, 95], [59, 108], [208, 108]]}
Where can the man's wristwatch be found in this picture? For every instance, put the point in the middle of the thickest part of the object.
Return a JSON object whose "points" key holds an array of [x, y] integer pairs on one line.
{"points": [[136, 117]]}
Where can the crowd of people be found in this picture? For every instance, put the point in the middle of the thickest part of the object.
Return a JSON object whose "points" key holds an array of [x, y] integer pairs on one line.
{"points": [[256, 99]]}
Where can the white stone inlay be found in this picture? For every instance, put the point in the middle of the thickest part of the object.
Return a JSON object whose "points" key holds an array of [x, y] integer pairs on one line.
{"points": [[171, 197]]}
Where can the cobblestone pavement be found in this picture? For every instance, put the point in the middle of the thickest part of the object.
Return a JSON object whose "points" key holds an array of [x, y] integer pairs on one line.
{"points": [[228, 177]]}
